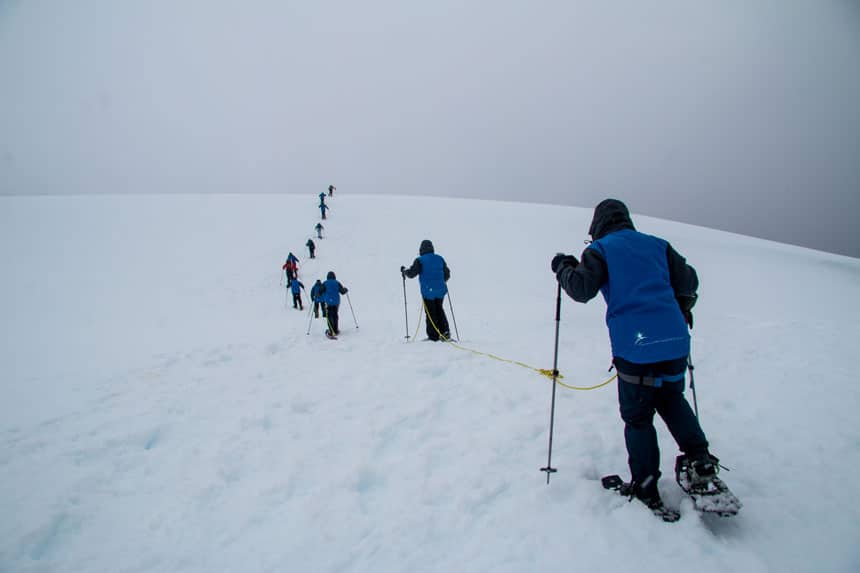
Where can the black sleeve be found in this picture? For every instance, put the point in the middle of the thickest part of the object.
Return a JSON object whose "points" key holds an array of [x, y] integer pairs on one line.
{"points": [[414, 270], [341, 288], [583, 282], [685, 281], [445, 270]]}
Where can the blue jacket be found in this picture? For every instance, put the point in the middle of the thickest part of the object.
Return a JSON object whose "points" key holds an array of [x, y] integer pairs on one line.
{"points": [[645, 322], [315, 291], [432, 277], [331, 291], [295, 286], [431, 270]]}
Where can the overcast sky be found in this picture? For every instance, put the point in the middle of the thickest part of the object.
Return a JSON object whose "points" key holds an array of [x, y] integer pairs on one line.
{"points": [[742, 115]]}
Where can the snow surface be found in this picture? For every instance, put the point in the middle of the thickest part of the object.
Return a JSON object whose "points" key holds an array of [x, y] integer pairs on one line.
{"points": [[163, 410]]}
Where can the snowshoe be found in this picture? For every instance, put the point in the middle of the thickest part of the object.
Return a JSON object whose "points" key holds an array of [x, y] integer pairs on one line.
{"points": [[631, 491], [330, 335], [698, 478]]}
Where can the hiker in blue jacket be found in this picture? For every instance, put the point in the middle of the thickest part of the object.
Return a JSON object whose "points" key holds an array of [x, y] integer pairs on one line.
{"points": [[295, 288], [322, 198], [650, 291], [316, 297], [432, 273], [323, 209], [330, 292]]}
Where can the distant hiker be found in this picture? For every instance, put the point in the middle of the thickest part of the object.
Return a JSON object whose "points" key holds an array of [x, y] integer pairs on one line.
{"points": [[295, 288], [432, 273], [330, 292], [323, 209], [649, 291], [331, 189], [311, 247], [291, 268], [316, 297], [319, 229], [322, 198]]}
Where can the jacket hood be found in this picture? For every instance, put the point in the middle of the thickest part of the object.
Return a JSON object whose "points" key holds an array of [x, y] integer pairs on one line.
{"points": [[426, 247], [610, 215], [330, 275]]}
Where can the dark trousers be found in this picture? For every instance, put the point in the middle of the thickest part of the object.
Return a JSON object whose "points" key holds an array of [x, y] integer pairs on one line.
{"points": [[331, 313], [638, 403], [297, 300], [436, 318], [317, 305], [312, 253]]}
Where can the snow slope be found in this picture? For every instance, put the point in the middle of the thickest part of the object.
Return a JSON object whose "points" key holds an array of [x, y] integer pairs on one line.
{"points": [[164, 411]]}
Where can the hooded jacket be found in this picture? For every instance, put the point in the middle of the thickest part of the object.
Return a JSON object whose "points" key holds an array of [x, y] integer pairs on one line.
{"points": [[331, 290], [641, 277], [431, 270]]}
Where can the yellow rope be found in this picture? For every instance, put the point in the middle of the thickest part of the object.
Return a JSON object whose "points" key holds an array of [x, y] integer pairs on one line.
{"points": [[542, 371]]}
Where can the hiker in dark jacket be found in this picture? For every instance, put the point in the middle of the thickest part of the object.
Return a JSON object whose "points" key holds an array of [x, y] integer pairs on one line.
{"points": [[319, 230], [330, 293], [649, 291], [432, 273], [291, 268], [331, 189], [311, 247], [316, 297], [295, 288]]}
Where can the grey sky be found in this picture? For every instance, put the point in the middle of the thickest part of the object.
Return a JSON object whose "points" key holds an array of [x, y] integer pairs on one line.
{"points": [[736, 114]]}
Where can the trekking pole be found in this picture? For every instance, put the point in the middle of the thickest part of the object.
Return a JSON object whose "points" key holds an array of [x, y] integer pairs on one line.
{"points": [[405, 309], [454, 318], [549, 469], [310, 317], [693, 384], [350, 310]]}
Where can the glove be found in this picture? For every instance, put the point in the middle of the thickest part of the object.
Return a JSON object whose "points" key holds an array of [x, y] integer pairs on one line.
{"points": [[686, 302], [345, 290], [402, 269], [561, 260], [688, 318]]}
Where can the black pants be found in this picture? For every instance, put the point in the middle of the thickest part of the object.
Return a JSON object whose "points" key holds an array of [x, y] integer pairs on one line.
{"points": [[638, 403], [331, 312], [312, 253], [297, 300], [436, 318], [317, 305]]}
